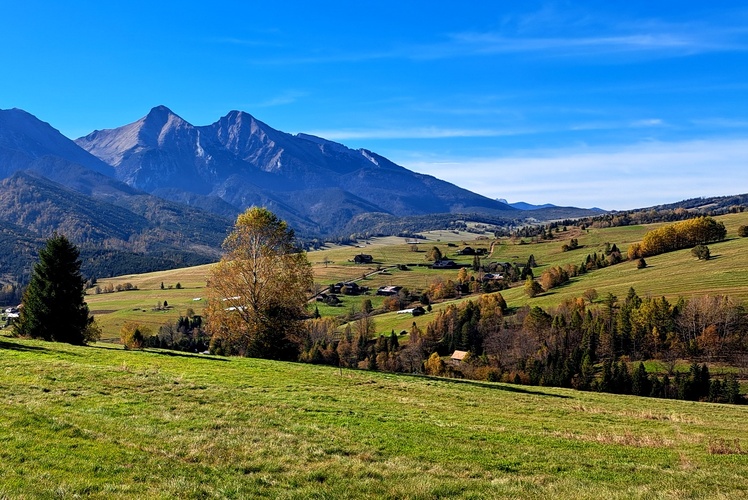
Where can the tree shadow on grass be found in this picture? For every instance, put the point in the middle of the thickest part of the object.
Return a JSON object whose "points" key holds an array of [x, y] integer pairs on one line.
{"points": [[13, 346], [167, 352], [180, 354], [487, 385]]}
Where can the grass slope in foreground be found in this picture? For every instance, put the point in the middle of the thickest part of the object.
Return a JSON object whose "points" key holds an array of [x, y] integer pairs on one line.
{"points": [[104, 422]]}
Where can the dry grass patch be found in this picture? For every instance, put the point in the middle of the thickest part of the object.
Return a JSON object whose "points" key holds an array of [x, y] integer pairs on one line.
{"points": [[641, 414], [625, 439], [722, 446]]}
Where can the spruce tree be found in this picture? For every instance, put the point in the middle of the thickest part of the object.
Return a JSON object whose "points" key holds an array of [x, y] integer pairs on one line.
{"points": [[731, 389], [53, 304], [641, 385]]}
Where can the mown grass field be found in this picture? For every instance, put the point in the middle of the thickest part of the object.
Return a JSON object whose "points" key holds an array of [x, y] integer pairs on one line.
{"points": [[107, 423]]}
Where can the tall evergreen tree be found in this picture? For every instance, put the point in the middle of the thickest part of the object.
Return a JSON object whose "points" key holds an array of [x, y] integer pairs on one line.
{"points": [[53, 304], [476, 263], [641, 385]]}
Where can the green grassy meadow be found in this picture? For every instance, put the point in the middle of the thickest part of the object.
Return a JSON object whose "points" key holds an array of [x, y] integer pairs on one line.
{"points": [[103, 422], [672, 274], [112, 310], [331, 265]]}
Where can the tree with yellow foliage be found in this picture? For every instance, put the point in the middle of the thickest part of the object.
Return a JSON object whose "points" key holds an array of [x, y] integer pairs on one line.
{"points": [[683, 234], [257, 293], [463, 276]]}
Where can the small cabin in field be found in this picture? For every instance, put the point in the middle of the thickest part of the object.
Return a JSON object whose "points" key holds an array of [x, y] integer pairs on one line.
{"points": [[458, 356], [348, 288], [363, 258], [492, 277], [444, 264], [389, 290]]}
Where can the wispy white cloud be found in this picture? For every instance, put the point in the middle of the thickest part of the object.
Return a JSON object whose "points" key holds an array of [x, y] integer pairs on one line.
{"points": [[415, 133], [444, 133], [648, 122], [568, 30], [472, 44], [288, 97], [549, 32], [489, 43], [623, 177]]}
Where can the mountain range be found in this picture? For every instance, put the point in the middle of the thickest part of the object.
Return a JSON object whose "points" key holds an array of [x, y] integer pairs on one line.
{"points": [[239, 161], [162, 186]]}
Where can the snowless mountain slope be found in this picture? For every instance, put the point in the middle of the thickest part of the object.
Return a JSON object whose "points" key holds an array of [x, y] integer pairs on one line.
{"points": [[245, 162], [25, 139]]}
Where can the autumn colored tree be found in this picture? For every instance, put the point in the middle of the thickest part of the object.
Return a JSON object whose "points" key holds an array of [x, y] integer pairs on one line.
{"points": [[532, 287], [345, 349], [683, 234], [440, 289], [590, 294], [553, 277], [391, 303], [134, 335], [434, 254], [463, 276], [435, 366], [258, 291], [411, 356]]}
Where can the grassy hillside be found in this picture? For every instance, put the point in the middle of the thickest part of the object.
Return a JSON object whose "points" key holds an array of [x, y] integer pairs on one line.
{"points": [[673, 274], [112, 310], [108, 423], [331, 265]]}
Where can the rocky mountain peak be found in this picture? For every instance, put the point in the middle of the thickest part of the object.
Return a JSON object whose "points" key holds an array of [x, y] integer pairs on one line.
{"points": [[240, 132], [244, 161], [159, 125]]}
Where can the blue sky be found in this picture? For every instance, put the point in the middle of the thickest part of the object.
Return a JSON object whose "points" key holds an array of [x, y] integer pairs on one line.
{"points": [[610, 104]]}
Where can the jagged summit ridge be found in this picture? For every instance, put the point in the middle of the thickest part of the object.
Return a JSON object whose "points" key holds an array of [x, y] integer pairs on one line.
{"points": [[155, 130], [244, 161], [247, 138], [318, 186], [160, 125]]}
